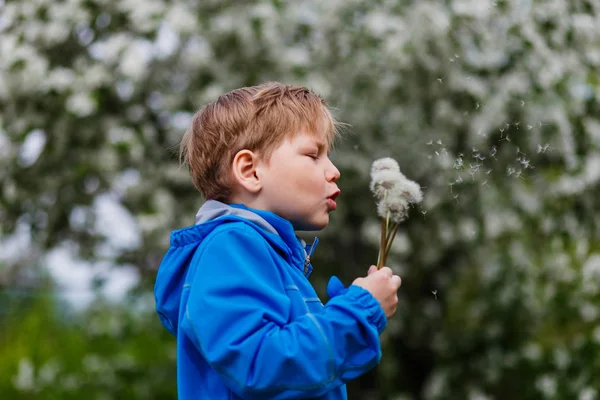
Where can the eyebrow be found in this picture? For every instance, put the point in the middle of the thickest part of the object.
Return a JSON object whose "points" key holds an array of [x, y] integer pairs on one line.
{"points": [[320, 145]]}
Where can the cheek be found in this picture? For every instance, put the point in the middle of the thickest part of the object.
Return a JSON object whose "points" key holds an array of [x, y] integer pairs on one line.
{"points": [[311, 183]]}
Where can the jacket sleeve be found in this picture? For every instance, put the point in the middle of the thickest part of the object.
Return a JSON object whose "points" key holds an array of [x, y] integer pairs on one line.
{"points": [[237, 316]]}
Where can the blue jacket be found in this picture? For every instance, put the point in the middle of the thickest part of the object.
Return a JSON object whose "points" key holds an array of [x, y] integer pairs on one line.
{"points": [[233, 290]]}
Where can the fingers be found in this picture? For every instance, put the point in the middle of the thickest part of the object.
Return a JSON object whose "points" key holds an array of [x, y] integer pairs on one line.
{"points": [[393, 309], [396, 281], [387, 271], [372, 269]]}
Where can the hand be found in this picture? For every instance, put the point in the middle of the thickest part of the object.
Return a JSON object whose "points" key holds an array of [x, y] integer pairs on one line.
{"points": [[383, 285]]}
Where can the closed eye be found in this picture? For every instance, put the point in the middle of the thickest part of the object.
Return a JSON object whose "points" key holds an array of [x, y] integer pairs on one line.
{"points": [[313, 156]]}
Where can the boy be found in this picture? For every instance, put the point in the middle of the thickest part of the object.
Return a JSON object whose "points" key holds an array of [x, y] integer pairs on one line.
{"points": [[233, 289]]}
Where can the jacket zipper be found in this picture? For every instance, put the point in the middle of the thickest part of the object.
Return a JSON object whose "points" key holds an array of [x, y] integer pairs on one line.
{"points": [[308, 254]]}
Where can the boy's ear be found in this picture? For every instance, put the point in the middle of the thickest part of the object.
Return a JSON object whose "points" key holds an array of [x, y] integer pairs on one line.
{"points": [[244, 167]]}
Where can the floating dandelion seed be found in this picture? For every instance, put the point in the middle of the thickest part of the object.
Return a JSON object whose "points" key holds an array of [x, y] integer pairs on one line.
{"points": [[484, 183], [477, 106], [439, 141], [489, 171], [479, 157], [543, 149], [441, 80], [434, 292], [525, 162], [458, 163], [493, 152], [529, 127], [429, 143], [522, 103], [474, 169]]}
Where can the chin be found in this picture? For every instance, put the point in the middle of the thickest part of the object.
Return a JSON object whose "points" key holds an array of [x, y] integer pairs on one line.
{"points": [[311, 225]]}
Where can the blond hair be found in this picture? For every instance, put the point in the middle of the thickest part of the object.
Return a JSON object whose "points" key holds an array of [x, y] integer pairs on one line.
{"points": [[257, 118]]}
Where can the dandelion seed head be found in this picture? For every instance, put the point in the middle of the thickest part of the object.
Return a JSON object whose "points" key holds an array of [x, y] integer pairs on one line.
{"points": [[393, 190], [384, 164], [408, 190], [383, 180], [394, 208]]}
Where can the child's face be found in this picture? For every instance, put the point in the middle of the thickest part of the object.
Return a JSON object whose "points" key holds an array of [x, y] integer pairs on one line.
{"points": [[299, 182]]}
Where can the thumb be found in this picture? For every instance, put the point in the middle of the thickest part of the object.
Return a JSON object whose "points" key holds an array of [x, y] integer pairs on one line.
{"points": [[372, 269], [334, 287]]}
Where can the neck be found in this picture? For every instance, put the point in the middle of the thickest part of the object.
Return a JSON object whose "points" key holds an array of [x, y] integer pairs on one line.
{"points": [[249, 200]]}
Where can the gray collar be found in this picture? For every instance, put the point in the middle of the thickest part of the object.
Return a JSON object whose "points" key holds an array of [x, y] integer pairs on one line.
{"points": [[213, 209]]}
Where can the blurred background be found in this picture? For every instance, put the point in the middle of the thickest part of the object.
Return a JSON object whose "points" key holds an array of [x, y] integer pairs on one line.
{"points": [[492, 106]]}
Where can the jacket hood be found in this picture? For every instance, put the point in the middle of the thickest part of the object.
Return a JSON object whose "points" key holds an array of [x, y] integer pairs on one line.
{"points": [[172, 272]]}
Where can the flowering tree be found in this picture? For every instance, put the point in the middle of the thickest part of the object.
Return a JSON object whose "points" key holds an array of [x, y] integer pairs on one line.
{"points": [[490, 105]]}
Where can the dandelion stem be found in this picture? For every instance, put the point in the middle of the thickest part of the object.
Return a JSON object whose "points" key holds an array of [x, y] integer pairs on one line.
{"points": [[382, 244], [389, 240]]}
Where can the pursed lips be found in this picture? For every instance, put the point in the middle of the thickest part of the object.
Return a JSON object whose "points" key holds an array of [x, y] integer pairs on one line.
{"points": [[331, 200], [334, 195]]}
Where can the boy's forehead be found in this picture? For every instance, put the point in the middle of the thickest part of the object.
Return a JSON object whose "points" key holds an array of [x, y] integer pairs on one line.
{"points": [[318, 140]]}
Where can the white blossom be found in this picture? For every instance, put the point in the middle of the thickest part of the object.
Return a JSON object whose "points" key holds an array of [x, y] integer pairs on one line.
{"points": [[24, 380], [181, 19], [81, 104]]}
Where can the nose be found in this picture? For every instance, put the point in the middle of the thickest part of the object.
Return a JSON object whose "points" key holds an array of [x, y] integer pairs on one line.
{"points": [[332, 174]]}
